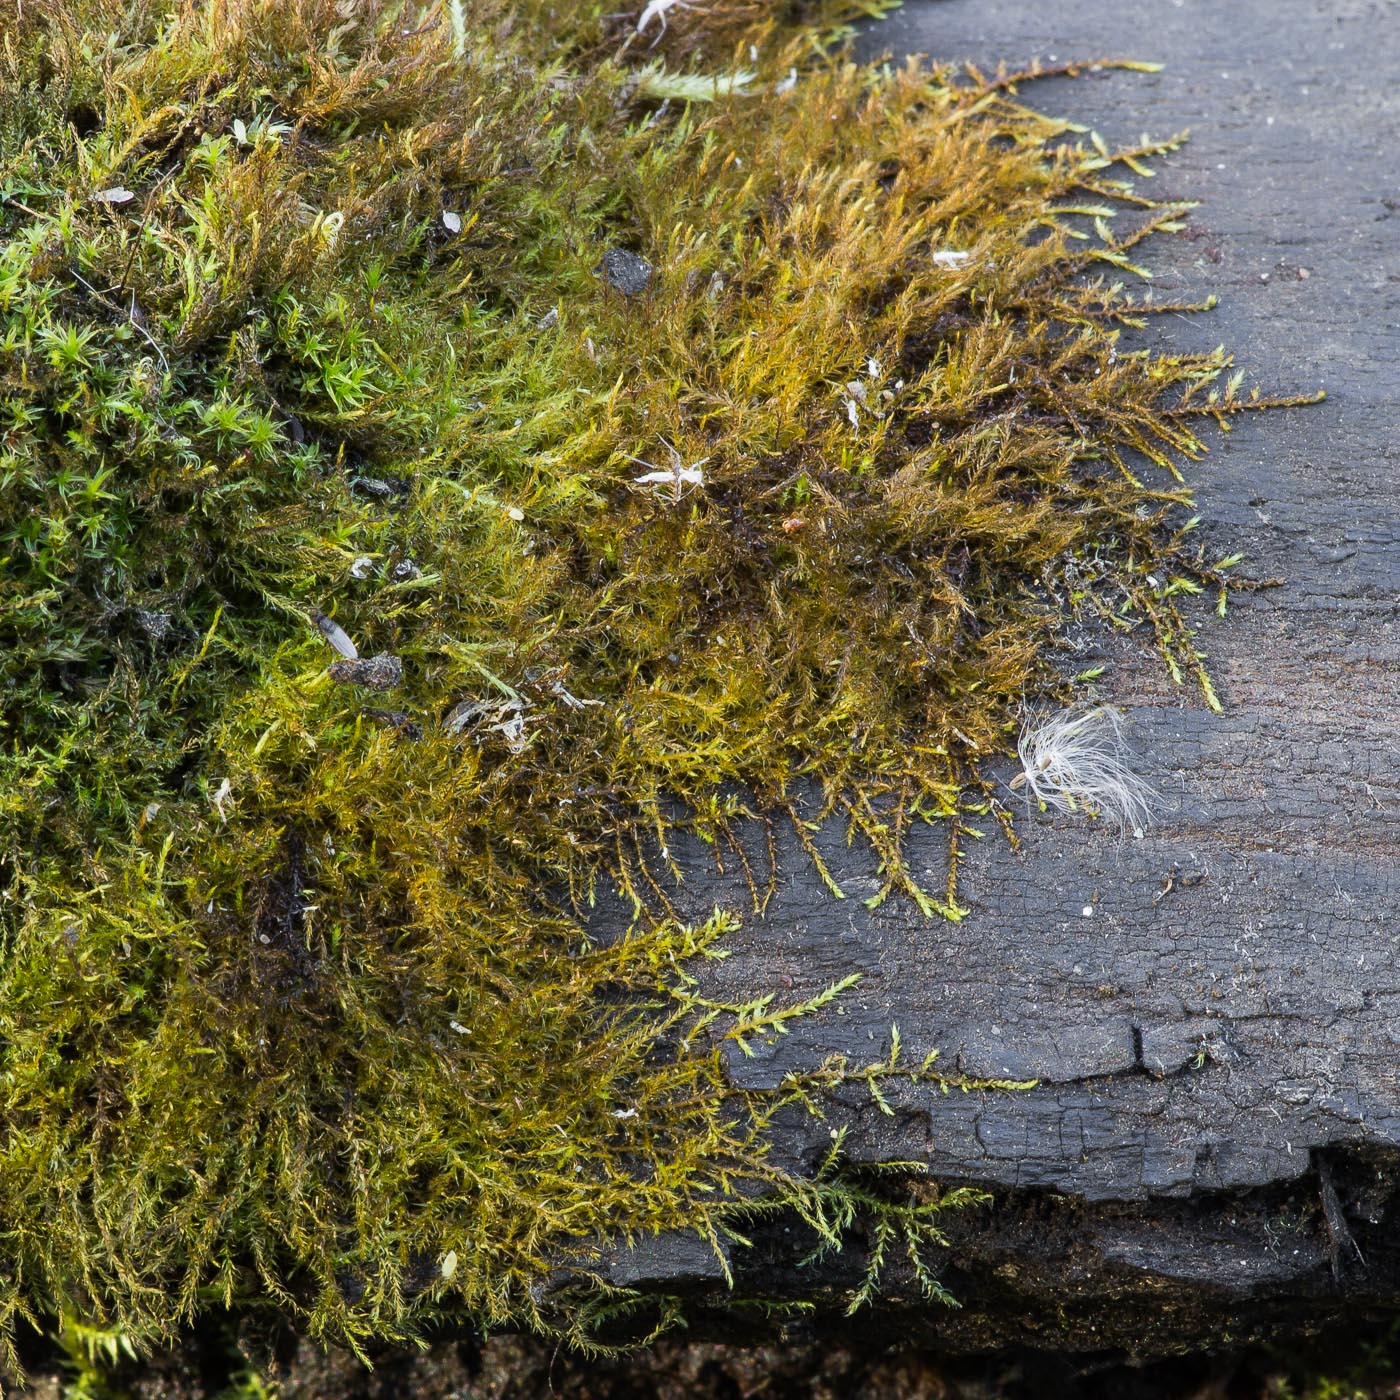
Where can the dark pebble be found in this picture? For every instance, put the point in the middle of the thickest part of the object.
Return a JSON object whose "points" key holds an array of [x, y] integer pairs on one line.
{"points": [[396, 719], [624, 272], [375, 672]]}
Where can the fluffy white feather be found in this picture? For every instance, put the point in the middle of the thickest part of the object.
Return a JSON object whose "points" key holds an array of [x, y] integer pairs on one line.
{"points": [[1077, 761]]}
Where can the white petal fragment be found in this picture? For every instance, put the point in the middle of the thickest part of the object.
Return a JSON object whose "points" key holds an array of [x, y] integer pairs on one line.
{"points": [[683, 476]]}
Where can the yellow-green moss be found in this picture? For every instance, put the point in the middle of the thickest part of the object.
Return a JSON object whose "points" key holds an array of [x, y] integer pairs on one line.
{"points": [[304, 313]]}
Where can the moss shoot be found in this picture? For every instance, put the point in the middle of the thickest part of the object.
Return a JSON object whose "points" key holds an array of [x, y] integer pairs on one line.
{"points": [[441, 449]]}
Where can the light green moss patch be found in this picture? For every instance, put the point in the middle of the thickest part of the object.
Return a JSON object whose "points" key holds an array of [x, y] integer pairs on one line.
{"points": [[319, 320]]}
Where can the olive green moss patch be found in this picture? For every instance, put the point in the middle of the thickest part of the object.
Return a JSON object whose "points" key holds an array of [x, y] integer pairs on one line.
{"points": [[441, 450]]}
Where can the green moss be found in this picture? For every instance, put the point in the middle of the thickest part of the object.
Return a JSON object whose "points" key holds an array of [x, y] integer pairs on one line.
{"points": [[299, 319]]}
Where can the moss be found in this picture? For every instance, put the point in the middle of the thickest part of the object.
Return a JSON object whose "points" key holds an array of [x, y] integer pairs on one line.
{"points": [[318, 324]]}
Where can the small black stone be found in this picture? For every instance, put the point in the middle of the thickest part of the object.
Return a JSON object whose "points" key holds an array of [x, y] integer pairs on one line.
{"points": [[155, 625], [624, 271], [382, 672], [396, 719], [393, 489]]}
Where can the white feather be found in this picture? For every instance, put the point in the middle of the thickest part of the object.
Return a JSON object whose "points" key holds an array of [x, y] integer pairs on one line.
{"points": [[1077, 761]]}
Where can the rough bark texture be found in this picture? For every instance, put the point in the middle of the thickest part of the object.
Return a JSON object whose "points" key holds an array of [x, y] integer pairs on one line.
{"points": [[1213, 1011]]}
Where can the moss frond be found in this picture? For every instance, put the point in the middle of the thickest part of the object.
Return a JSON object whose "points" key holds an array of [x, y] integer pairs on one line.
{"points": [[634, 451]]}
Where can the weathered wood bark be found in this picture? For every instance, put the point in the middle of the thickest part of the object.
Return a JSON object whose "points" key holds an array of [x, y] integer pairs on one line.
{"points": [[1213, 1011]]}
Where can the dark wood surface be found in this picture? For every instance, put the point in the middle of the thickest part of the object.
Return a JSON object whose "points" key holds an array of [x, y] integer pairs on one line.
{"points": [[1219, 1054]]}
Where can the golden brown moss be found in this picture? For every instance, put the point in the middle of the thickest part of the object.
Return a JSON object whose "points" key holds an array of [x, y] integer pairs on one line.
{"points": [[331, 320]]}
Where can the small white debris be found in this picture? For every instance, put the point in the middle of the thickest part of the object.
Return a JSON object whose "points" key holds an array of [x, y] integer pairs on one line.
{"points": [[516, 514], [574, 703], [873, 368], [678, 476], [857, 391], [459, 1028], [336, 636], [658, 9], [688, 476], [946, 257], [463, 714], [451, 222], [116, 195], [362, 567], [549, 320], [853, 413], [220, 796], [787, 83], [505, 717], [624, 1113], [448, 1267], [1088, 911], [512, 730]]}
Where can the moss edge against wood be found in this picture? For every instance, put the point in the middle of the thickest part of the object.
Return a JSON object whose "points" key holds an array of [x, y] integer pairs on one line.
{"points": [[669, 423]]}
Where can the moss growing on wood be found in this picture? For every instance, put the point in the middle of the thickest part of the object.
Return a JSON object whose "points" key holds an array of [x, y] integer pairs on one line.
{"points": [[440, 450]]}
